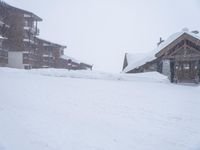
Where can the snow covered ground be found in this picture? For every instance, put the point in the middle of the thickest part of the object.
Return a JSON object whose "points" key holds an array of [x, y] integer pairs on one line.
{"points": [[53, 109]]}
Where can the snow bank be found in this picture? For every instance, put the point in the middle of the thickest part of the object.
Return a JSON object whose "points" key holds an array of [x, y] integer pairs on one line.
{"points": [[41, 112], [87, 74]]}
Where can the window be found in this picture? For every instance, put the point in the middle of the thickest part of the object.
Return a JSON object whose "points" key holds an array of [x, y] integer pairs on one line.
{"points": [[26, 34], [27, 67], [186, 66], [26, 23]]}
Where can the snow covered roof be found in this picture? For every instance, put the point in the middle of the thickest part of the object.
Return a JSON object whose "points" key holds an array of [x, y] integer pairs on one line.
{"points": [[137, 60], [4, 4], [75, 60], [49, 43], [68, 57], [175, 36], [1, 37]]}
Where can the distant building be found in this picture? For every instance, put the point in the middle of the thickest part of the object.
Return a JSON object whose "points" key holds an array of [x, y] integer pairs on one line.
{"points": [[49, 53], [52, 56], [72, 64], [3, 36], [20, 46], [178, 57], [20, 37]]}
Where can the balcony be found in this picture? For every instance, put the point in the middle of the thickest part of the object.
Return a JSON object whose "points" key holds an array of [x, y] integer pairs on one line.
{"points": [[30, 58], [3, 24], [47, 55], [3, 28], [26, 39], [48, 60], [33, 30]]}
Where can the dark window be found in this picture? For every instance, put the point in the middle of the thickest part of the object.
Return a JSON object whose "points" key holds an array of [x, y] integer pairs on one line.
{"points": [[27, 67]]}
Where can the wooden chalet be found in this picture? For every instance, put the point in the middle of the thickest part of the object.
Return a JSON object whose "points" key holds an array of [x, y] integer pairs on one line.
{"points": [[178, 57]]}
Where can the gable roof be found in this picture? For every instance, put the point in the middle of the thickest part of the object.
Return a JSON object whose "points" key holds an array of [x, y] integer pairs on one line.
{"points": [[70, 58], [50, 43], [174, 37], [137, 60], [75, 60], [5, 5]]}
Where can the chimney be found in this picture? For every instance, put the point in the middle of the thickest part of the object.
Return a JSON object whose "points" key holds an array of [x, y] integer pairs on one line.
{"points": [[160, 41]]}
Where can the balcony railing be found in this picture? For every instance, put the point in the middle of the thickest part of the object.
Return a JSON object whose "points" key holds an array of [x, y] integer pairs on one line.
{"points": [[3, 24], [30, 58], [32, 30], [39, 60], [3, 28], [47, 56], [48, 60], [26, 39]]}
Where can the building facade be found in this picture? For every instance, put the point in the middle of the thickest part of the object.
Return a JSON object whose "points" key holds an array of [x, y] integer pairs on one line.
{"points": [[49, 52], [71, 63], [3, 36], [20, 46]]}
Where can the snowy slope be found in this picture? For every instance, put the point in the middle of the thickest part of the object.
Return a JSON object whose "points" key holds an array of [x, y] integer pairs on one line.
{"points": [[147, 77], [49, 110]]}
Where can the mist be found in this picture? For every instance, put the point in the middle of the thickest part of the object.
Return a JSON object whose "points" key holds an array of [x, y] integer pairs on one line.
{"points": [[100, 32]]}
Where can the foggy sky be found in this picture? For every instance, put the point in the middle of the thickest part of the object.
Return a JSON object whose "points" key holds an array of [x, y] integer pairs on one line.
{"points": [[100, 32]]}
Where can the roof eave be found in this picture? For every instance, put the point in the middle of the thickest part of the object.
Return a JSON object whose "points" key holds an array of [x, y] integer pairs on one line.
{"points": [[184, 34]]}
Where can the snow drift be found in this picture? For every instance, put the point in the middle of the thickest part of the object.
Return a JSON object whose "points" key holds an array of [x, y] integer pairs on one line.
{"points": [[49, 110]]}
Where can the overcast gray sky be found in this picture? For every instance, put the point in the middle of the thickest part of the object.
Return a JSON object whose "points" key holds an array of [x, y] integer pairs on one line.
{"points": [[101, 31]]}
